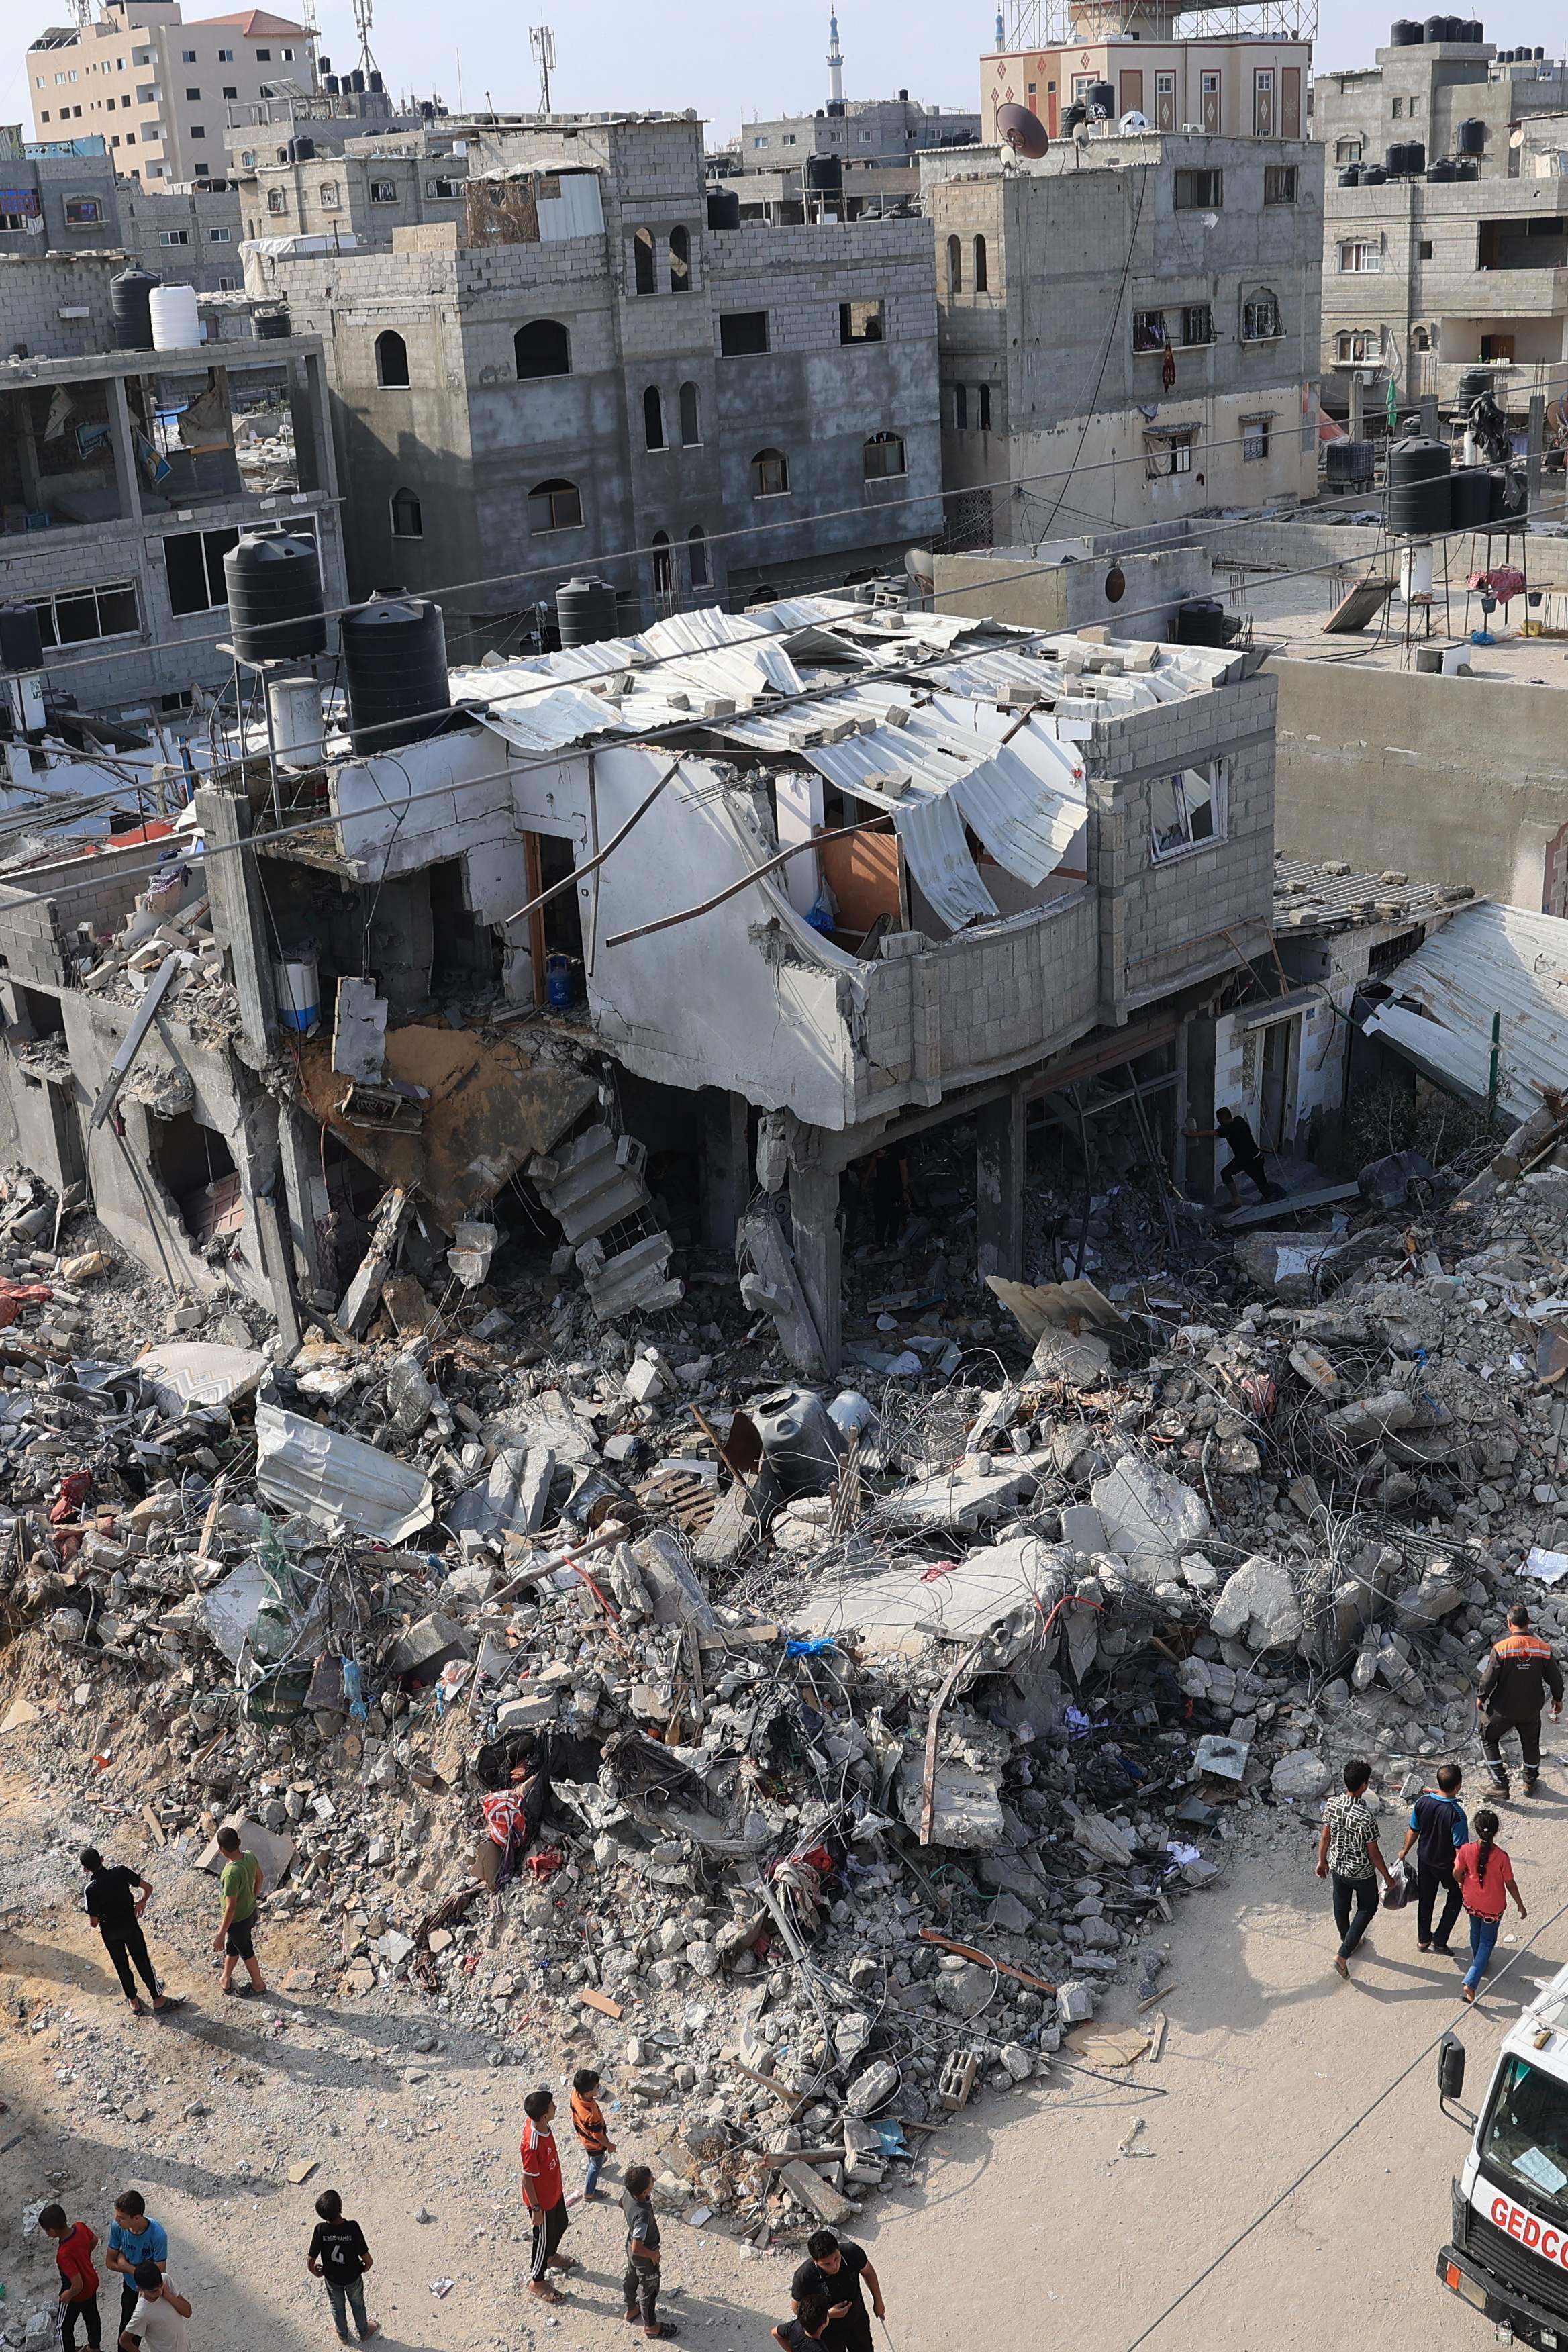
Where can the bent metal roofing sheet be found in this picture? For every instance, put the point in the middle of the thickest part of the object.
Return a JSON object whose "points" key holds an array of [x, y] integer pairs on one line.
{"points": [[1487, 961]]}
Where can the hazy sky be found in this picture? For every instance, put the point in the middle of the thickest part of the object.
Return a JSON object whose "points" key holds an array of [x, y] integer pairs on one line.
{"points": [[730, 61]]}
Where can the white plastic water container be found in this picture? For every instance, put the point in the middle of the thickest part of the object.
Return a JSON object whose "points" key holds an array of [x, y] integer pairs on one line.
{"points": [[176, 321], [1416, 569], [299, 987], [1456, 661], [295, 704]]}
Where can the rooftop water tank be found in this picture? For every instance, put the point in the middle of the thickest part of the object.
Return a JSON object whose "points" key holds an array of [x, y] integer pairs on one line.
{"points": [[274, 585], [1470, 498], [1101, 98], [176, 321], [1404, 33], [131, 302], [21, 637], [1471, 138], [394, 665], [724, 208], [586, 611]]}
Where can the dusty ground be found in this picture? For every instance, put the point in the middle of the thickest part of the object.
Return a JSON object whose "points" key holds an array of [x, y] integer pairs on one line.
{"points": [[1028, 2229]]}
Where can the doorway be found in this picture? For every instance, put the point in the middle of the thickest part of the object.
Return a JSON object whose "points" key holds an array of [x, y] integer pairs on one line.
{"points": [[1277, 1091]]}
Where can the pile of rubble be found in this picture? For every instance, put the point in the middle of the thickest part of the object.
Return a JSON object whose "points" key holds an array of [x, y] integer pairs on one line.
{"points": [[815, 1756]]}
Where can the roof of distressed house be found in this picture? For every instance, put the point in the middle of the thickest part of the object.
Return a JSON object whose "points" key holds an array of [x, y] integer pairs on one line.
{"points": [[1330, 896], [1489, 968]]}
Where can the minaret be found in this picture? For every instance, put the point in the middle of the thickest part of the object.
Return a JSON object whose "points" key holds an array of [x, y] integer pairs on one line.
{"points": [[835, 68], [1001, 30]]}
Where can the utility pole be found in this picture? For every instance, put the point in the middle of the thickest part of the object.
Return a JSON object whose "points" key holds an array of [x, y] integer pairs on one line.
{"points": [[1535, 451], [541, 41]]}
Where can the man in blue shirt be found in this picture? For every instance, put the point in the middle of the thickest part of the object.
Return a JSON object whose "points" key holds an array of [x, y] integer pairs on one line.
{"points": [[1437, 1830], [134, 2237]]}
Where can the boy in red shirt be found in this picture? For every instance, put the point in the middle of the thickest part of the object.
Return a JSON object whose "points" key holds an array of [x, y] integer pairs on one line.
{"points": [[74, 2242], [543, 2194], [1484, 1876]]}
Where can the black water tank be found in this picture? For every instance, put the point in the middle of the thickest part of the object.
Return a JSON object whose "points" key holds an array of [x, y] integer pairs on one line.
{"points": [[824, 173], [274, 585], [1443, 169], [1075, 114], [271, 326], [724, 208], [1540, 54], [1419, 510], [304, 148], [1471, 139], [1467, 168], [395, 666], [1348, 461], [1350, 177], [1404, 33], [1414, 458], [1474, 384], [21, 637], [130, 303], [1470, 498], [1102, 94], [1415, 156], [1203, 621], [377, 82], [356, 81], [1372, 175], [586, 611], [1433, 28], [1394, 162], [329, 84]]}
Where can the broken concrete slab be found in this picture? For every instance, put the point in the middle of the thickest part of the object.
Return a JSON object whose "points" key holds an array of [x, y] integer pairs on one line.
{"points": [[362, 1297], [338, 1480], [1289, 1267], [1302, 1775], [1041, 1306], [1151, 1518], [898, 1609], [181, 1372], [272, 1849], [966, 1810], [819, 2195], [1259, 1605], [961, 1497], [770, 1285], [359, 1032], [514, 1499]]}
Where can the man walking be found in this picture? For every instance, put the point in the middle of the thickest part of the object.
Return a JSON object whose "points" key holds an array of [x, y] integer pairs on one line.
{"points": [[135, 2238], [543, 2194], [1246, 1160], [74, 2242], [158, 2322], [837, 2268], [1348, 1854], [1519, 1671], [241, 1882], [112, 1903], [1437, 1830]]}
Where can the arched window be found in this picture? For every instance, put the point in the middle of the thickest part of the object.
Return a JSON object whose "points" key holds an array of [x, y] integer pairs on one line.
{"points": [[981, 280], [663, 567], [391, 358], [960, 408], [653, 418], [1420, 339], [642, 259], [1260, 320], [679, 261], [697, 555], [770, 474], [407, 522], [954, 265], [542, 348], [690, 417], [554, 506], [884, 456]]}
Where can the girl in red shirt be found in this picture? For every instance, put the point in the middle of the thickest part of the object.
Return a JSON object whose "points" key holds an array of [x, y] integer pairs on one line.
{"points": [[1485, 1879]]}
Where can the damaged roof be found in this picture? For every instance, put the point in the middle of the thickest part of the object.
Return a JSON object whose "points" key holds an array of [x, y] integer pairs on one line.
{"points": [[1309, 896], [1486, 963]]}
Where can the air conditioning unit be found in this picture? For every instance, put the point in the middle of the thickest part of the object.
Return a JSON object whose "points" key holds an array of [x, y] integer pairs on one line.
{"points": [[1193, 130]]}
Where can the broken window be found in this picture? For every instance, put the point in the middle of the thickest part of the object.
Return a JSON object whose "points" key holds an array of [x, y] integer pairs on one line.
{"points": [[1280, 183], [554, 506], [1185, 810], [883, 457], [983, 397], [407, 521], [653, 418], [741, 333], [82, 615], [391, 359], [770, 474], [193, 562], [1199, 192], [697, 555], [663, 569], [1255, 437], [679, 261], [542, 348], [860, 322], [642, 262], [956, 265], [690, 417], [196, 1170], [1149, 331], [1260, 321], [384, 191]]}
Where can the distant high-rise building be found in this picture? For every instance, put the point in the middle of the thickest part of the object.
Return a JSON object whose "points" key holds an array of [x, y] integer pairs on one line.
{"points": [[156, 90]]}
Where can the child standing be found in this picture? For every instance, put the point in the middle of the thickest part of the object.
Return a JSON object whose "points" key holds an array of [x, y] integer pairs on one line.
{"points": [[339, 2255], [639, 2287], [588, 2123], [1485, 1878], [134, 2237], [74, 2242]]}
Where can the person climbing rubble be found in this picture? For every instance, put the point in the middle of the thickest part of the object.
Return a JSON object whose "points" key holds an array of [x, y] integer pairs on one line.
{"points": [[1231, 1129], [1518, 1671]]}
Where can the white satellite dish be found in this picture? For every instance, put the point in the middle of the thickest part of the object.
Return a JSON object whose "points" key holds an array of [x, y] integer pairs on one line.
{"points": [[920, 565], [1134, 122]]}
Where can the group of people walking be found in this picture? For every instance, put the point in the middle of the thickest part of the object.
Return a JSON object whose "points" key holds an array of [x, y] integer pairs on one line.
{"points": [[115, 1899], [1456, 1861], [153, 2315]]}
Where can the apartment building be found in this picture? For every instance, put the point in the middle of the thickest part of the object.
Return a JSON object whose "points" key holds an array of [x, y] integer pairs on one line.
{"points": [[1240, 73], [1128, 329], [577, 372], [157, 87], [1445, 224]]}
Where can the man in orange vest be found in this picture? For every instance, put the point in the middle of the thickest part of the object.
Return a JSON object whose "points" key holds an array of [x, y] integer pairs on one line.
{"points": [[1518, 1672]]}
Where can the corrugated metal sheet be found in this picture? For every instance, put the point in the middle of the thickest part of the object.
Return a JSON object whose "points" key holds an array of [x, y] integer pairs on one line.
{"points": [[1486, 960], [738, 654], [1309, 896], [930, 834], [536, 719]]}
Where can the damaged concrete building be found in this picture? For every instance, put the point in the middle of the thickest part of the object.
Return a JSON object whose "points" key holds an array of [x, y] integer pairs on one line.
{"points": [[763, 896]]}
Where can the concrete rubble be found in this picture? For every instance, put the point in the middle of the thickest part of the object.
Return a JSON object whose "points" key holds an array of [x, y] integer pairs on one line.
{"points": [[800, 1755]]}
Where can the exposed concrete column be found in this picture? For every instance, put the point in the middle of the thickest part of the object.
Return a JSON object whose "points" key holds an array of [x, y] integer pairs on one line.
{"points": [[308, 1202], [1358, 396], [128, 482], [726, 1166], [1535, 452], [818, 1243], [999, 1176], [239, 919]]}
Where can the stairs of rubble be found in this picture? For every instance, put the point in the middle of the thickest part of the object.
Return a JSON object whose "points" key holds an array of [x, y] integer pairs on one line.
{"points": [[594, 1189]]}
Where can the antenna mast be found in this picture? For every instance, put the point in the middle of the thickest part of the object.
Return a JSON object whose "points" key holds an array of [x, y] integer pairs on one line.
{"points": [[541, 41], [362, 26]]}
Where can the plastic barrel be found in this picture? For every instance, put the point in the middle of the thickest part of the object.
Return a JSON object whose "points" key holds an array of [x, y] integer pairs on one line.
{"points": [[1419, 510], [21, 637], [394, 665], [296, 982], [724, 208], [274, 585], [1470, 498], [130, 301], [176, 321], [586, 611]]}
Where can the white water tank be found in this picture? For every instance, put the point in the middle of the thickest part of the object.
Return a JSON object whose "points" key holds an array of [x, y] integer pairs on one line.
{"points": [[1416, 569], [295, 704], [177, 321]]}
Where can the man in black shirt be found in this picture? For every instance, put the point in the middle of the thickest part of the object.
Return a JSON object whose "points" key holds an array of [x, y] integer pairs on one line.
{"points": [[835, 2267], [115, 1909], [1231, 1130], [340, 2255]]}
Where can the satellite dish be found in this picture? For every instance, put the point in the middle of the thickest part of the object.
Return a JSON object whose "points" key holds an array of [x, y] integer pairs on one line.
{"points": [[1516, 136], [1023, 132], [1134, 122], [920, 566]]}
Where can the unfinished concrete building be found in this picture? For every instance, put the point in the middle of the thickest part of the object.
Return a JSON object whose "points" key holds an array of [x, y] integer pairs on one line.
{"points": [[1445, 226], [1129, 330], [582, 374]]}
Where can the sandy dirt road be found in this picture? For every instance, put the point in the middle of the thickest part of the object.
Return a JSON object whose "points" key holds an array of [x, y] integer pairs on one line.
{"points": [[1026, 2229]]}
